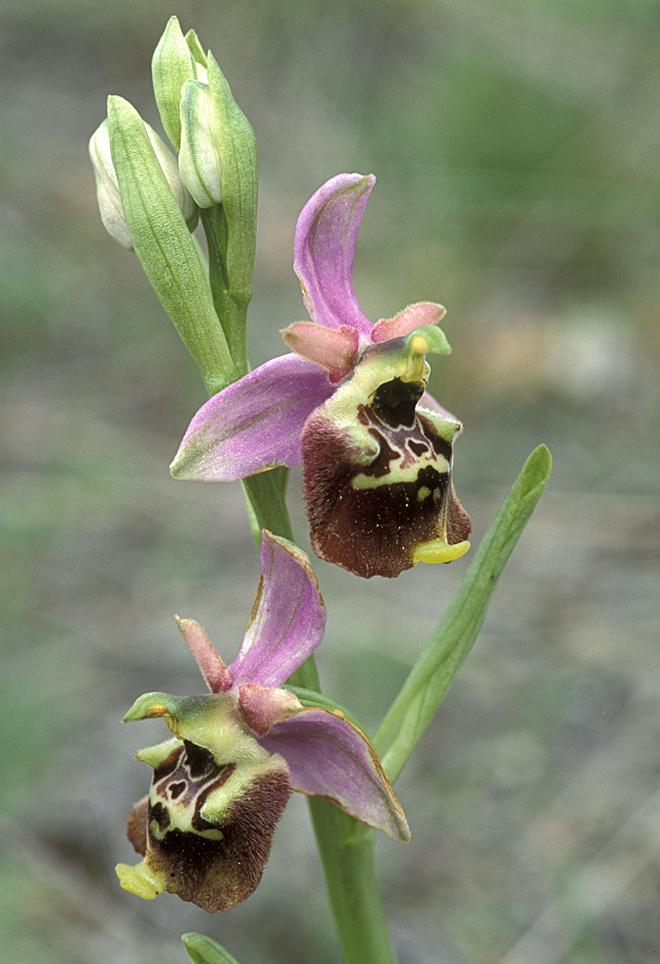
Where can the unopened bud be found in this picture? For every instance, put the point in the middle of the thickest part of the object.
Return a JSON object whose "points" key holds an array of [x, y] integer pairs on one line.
{"points": [[199, 156], [107, 185], [176, 59]]}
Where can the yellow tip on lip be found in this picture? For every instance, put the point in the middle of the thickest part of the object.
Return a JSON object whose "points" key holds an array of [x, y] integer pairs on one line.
{"points": [[140, 880], [439, 551]]}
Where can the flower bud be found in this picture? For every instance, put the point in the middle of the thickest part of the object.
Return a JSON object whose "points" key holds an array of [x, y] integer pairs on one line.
{"points": [[176, 59], [199, 157], [107, 186], [181, 194]]}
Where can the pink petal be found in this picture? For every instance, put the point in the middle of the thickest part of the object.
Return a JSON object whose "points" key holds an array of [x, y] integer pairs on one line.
{"points": [[287, 620], [214, 670], [329, 757], [425, 313], [335, 349], [324, 248], [253, 424]]}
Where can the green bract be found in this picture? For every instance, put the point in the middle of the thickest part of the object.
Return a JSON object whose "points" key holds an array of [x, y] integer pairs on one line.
{"points": [[163, 243]]}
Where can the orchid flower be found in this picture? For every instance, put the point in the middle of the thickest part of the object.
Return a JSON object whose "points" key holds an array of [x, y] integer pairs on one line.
{"points": [[220, 786], [350, 403]]}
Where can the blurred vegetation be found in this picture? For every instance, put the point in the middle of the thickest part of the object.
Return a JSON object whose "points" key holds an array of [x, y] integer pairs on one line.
{"points": [[517, 150]]}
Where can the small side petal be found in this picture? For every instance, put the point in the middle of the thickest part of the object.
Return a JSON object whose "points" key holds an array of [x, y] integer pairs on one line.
{"points": [[329, 757], [287, 620], [425, 313], [335, 349], [253, 424], [213, 668], [263, 706], [324, 249]]}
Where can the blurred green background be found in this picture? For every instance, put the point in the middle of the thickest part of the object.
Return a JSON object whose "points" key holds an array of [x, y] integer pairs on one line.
{"points": [[517, 149]]}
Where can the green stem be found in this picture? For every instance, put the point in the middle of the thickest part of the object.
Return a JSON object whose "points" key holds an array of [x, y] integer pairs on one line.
{"points": [[264, 497], [346, 846]]}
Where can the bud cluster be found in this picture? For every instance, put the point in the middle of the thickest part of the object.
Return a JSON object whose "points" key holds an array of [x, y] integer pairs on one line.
{"points": [[201, 120], [151, 199]]}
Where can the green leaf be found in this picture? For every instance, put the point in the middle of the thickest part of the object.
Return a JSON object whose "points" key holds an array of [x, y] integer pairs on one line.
{"points": [[202, 950], [430, 678], [165, 246]]}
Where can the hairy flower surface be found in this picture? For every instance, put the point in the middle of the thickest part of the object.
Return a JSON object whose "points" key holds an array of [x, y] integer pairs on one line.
{"points": [[351, 405], [220, 786]]}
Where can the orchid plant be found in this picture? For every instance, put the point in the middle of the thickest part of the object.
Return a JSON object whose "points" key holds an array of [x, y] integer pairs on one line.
{"points": [[350, 403]]}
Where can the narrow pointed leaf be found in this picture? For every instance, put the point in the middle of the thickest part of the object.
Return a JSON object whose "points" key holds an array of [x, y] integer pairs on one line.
{"points": [[203, 950], [430, 678], [287, 620], [165, 246]]}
